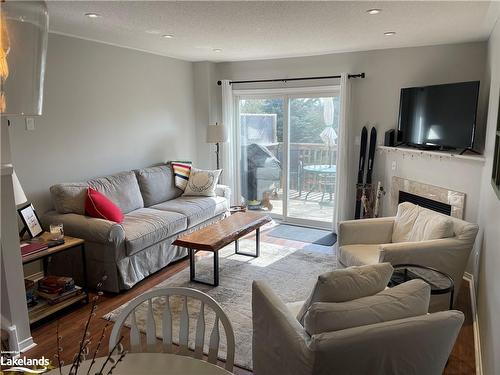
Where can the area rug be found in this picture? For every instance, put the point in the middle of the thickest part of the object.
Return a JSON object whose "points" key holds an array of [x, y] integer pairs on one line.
{"points": [[291, 273], [302, 234]]}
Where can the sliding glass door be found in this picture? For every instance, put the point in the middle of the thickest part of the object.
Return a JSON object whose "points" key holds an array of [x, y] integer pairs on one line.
{"points": [[261, 153], [287, 149]]}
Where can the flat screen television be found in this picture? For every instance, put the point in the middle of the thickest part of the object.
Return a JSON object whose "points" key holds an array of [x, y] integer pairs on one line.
{"points": [[439, 116]]}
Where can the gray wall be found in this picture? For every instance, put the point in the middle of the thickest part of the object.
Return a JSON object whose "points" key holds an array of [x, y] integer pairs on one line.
{"points": [[375, 99], [489, 212], [106, 109]]}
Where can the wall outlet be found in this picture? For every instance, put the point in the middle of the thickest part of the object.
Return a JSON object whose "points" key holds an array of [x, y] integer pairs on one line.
{"points": [[394, 165], [30, 123]]}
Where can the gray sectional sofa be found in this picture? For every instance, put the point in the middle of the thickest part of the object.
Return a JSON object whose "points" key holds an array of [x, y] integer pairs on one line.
{"points": [[155, 215]]}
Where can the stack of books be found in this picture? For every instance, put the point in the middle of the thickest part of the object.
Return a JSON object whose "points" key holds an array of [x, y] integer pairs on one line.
{"points": [[55, 289]]}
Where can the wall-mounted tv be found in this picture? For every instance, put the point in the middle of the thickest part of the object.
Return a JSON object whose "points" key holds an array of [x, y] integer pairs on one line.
{"points": [[439, 116]]}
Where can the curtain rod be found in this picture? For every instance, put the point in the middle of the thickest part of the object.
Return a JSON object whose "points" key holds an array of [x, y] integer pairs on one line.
{"points": [[360, 75]]}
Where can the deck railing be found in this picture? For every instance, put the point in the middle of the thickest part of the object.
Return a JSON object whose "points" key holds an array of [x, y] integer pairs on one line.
{"points": [[302, 154]]}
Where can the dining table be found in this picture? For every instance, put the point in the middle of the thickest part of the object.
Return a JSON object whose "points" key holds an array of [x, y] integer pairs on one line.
{"points": [[149, 364]]}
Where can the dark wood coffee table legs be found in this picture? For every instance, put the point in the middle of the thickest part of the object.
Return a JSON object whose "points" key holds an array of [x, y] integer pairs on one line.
{"points": [[192, 268], [192, 260], [257, 246]]}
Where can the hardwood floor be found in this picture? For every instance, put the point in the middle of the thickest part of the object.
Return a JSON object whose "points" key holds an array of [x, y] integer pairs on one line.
{"points": [[72, 320]]}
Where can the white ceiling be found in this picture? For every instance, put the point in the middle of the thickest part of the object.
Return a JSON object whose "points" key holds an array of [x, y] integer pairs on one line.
{"points": [[248, 30]]}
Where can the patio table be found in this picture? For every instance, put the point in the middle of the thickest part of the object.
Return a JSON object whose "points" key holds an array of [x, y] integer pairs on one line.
{"points": [[323, 171]]}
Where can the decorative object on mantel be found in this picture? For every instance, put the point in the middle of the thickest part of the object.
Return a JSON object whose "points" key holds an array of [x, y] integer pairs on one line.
{"points": [[439, 155], [24, 28], [216, 134], [455, 199]]}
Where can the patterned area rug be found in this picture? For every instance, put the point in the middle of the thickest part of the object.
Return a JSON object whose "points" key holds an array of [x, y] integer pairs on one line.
{"points": [[291, 273]]}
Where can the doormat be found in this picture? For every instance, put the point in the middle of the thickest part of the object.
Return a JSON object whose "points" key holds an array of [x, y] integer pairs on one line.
{"points": [[302, 234]]}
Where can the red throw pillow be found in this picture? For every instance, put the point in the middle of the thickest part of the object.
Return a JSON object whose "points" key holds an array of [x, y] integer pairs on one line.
{"points": [[98, 205]]}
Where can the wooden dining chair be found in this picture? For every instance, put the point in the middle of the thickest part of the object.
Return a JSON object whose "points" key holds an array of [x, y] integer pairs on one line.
{"points": [[166, 326]]}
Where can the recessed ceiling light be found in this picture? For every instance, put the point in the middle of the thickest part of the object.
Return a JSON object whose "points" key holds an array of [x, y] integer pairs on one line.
{"points": [[390, 33], [217, 50], [93, 15], [167, 36], [374, 11]]}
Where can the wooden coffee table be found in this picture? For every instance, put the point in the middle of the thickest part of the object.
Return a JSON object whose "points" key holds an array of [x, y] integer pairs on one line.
{"points": [[215, 236]]}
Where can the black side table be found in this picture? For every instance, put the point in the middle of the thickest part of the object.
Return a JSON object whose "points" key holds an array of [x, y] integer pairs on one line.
{"points": [[440, 282]]}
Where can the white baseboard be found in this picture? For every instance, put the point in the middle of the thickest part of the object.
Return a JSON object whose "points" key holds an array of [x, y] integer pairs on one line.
{"points": [[26, 344], [475, 323]]}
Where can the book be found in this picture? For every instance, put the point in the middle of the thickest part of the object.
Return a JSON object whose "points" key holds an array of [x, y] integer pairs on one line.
{"points": [[52, 282], [53, 299], [28, 248]]}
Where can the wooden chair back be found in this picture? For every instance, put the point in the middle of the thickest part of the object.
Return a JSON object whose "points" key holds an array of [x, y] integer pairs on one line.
{"points": [[166, 326]]}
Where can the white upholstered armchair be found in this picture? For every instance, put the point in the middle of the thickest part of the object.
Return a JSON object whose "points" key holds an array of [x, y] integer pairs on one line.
{"points": [[410, 346], [414, 236]]}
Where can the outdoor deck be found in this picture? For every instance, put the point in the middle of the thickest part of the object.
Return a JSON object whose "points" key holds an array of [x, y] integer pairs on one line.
{"points": [[310, 209]]}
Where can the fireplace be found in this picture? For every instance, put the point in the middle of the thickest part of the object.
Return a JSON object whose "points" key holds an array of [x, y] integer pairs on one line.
{"points": [[436, 198], [431, 204]]}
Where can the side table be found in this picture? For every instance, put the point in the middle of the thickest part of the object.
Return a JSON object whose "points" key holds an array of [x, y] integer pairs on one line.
{"points": [[42, 309], [440, 282]]}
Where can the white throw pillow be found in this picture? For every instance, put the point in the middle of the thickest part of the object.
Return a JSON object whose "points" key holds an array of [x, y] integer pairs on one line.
{"points": [[348, 284], [431, 226], [405, 219], [403, 301], [202, 182]]}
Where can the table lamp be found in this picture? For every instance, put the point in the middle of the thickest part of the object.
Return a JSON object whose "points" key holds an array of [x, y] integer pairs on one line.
{"points": [[19, 196], [216, 134]]}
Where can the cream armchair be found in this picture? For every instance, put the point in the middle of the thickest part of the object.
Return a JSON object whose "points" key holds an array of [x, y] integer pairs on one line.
{"points": [[410, 346], [370, 241]]}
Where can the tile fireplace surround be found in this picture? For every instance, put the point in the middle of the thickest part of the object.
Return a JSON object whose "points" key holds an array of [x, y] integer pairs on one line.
{"points": [[455, 199]]}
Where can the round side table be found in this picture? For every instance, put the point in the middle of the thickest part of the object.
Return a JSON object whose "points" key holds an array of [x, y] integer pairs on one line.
{"points": [[440, 282]]}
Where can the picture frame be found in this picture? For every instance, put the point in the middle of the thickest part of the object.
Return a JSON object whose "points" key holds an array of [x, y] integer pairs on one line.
{"points": [[30, 220]]}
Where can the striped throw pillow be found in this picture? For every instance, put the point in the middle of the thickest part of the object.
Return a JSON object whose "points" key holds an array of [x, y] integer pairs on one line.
{"points": [[181, 169]]}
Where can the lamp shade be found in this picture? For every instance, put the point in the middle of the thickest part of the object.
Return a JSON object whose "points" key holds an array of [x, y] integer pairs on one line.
{"points": [[216, 134], [24, 34], [19, 196]]}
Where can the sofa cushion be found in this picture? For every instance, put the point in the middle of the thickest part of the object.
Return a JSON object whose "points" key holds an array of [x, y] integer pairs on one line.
{"points": [[403, 301], [197, 209], [157, 184], [347, 284], [430, 225], [404, 221], [145, 227], [358, 255], [99, 206], [122, 189], [202, 182], [69, 198], [182, 170]]}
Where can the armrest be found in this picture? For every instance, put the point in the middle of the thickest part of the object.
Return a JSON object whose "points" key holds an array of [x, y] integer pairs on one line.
{"points": [[223, 191], [424, 341], [277, 334], [85, 227], [366, 231]]}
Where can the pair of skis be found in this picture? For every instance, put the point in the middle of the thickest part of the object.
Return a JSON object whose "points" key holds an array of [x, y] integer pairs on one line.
{"points": [[364, 189]]}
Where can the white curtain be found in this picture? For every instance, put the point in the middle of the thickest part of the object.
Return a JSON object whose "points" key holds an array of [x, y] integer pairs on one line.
{"points": [[341, 187], [228, 149]]}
